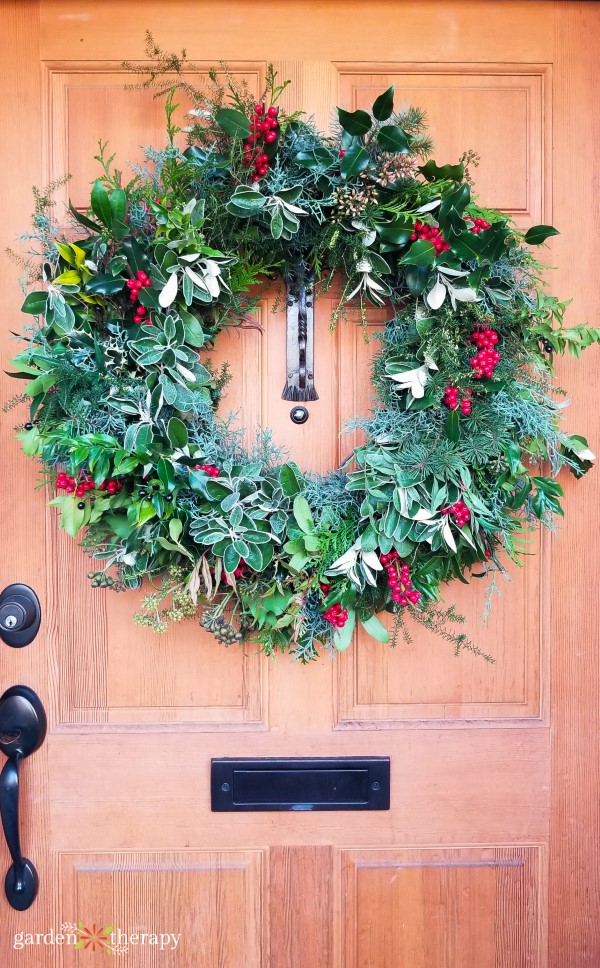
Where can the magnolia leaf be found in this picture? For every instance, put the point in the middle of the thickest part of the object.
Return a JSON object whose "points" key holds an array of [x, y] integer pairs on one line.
{"points": [[455, 273], [376, 629], [423, 515], [343, 637], [465, 295], [371, 559], [539, 233], [233, 123], [169, 291], [429, 206], [436, 296], [101, 203]]}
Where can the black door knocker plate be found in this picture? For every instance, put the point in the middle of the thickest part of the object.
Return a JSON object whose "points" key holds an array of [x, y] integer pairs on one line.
{"points": [[324, 783]]}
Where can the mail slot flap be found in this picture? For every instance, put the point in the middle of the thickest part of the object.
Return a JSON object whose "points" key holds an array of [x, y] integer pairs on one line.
{"points": [[301, 783]]}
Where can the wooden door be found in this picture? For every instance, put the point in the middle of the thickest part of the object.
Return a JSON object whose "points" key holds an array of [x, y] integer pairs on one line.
{"points": [[488, 857]]}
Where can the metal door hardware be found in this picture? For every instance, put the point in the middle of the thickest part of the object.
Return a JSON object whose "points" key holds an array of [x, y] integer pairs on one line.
{"points": [[299, 415], [300, 355], [22, 732], [336, 783], [20, 615]]}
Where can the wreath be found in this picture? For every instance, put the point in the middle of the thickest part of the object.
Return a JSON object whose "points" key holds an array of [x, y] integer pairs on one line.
{"points": [[462, 446]]}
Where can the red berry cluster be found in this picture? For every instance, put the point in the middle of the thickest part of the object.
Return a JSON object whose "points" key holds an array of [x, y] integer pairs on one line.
{"points": [[479, 224], [111, 485], [262, 126], [64, 482], [487, 358], [459, 512], [337, 615], [134, 285], [399, 581], [430, 233], [210, 469], [451, 399]]}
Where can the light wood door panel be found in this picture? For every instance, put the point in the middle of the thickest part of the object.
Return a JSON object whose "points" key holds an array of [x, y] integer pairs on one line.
{"points": [[488, 856]]}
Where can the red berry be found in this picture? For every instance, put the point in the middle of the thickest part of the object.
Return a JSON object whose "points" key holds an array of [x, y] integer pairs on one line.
{"points": [[270, 137], [258, 109], [272, 112]]}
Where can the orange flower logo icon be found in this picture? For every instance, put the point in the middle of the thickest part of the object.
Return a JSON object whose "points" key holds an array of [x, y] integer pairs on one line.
{"points": [[94, 938]]}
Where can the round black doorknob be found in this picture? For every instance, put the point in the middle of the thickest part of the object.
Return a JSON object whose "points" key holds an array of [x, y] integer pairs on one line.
{"points": [[299, 415], [20, 615]]}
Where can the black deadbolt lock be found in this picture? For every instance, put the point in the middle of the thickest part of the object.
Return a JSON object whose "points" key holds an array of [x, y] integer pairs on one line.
{"points": [[299, 415], [20, 615]]}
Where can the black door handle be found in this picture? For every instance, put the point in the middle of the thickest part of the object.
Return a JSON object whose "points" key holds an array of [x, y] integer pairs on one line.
{"points": [[22, 732]]}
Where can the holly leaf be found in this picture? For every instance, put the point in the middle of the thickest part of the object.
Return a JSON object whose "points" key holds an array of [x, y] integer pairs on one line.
{"points": [[354, 161], [383, 106], [451, 211], [105, 285], [421, 253], [434, 172], [392, 138], [356, 123]]}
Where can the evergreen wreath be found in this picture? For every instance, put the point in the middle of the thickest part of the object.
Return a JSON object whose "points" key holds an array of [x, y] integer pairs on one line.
{"points": [[464, 442]]}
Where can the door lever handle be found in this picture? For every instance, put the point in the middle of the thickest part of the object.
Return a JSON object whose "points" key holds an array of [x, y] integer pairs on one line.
{"points": [[22, 732]]}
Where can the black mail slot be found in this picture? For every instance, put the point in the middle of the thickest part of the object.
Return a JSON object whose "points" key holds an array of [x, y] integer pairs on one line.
{"points": [[301, 783]]}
